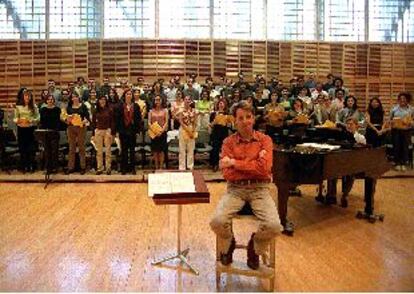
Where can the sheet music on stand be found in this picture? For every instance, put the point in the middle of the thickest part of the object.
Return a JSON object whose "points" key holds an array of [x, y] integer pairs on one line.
{"points": [[178, 188], [170, 182]]}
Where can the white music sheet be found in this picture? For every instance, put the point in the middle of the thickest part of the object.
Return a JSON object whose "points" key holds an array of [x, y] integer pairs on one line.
{"points": [[170, 182]]}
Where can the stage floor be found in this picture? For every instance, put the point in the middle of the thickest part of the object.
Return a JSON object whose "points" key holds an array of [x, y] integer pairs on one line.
{"points": [[102, 237]]}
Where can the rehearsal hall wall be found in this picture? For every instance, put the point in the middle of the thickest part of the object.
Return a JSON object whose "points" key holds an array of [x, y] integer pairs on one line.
{"points": [[368, 69]]}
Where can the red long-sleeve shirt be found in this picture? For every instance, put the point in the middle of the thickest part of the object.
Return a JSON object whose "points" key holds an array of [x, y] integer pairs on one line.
{"points": [[248, 164]]}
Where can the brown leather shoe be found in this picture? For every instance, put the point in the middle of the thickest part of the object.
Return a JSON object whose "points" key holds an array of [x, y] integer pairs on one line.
{"points": [[227, 258], [253, 260]]}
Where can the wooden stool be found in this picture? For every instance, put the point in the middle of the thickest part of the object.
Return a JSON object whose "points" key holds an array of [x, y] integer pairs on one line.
{"points": [[267, 269]]}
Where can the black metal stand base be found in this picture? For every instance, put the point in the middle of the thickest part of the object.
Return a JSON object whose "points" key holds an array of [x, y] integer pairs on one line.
{"points": [[288, 229], [48, 180], [372, 218]]}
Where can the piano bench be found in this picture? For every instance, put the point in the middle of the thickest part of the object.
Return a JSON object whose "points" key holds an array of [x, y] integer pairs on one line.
{"points": [[267, 268]]}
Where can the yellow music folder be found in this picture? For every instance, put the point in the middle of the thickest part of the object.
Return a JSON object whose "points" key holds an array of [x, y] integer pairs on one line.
{"points": [[77, 120], [154, 130]]}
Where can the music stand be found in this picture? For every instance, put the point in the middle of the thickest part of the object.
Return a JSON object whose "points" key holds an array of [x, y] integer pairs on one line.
{"points": [[46, 136], [201, 195]]}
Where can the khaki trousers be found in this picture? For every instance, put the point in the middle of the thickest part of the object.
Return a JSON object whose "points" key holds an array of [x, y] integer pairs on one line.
{"points": [[76, 137], [103, 138], [263, 206], [186, 148]]}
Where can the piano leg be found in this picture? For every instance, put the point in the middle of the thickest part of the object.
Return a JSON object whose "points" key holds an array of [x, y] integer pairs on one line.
{"points": [[347, 183], [320, 198], [331, 193], [282, 200], [369, 192]]}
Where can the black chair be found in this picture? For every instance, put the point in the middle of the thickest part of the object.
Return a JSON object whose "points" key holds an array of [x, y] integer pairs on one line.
{"points": [[63, 147], [10, 150], [203, 147], [173, 152]]}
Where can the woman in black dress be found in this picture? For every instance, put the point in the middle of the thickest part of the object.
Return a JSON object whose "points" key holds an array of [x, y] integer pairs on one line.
{"points": [[50, 119], [219, 123], [158, 125], [375, 122]]}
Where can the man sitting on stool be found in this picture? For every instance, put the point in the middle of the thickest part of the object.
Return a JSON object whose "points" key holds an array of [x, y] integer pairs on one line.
{"points": [[246, 161]]}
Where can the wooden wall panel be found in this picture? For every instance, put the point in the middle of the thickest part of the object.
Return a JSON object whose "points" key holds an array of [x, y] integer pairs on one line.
{"points": [[409, 60], [39, 67], [361, 89], [409, 86], [232, 58], [259, 58], [171, 58], [12, 76], [374, 61], [273, 59], [361, 69], [149, 56], [94, 60], [368, 69], [397, 87], [191, 58], [26, 62], [53, 59], [398, 61], [204, 59], [136, 51], [385, 95], [324, 60], [67, 70], [108, 59], [3, 71], [246, 58], [122, 59], [386, 61], [336, 58], [219, 58], [286, 62], [81, 58], [349, 65], [298, 58], [311, 57]]}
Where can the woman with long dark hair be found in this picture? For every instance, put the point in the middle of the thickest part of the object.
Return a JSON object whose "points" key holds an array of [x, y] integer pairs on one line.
{"points": [[50, 119], [141, 102], [375, 122], [401, 116], [26, 117], [220, 121], [187, 135], [128, 125], [113, 98], [158, 125], [350, 110], [43, 97], [103, 123], [176, 108], [77, 118], [203, 108], [274, 116]]}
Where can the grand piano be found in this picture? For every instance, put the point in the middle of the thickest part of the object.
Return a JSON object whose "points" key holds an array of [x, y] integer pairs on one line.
{"points": [[291, 169]]}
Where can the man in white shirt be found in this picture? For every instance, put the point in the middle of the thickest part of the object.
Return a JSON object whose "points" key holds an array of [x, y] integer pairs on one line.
{"points": [[352, 136], [352, 127]]}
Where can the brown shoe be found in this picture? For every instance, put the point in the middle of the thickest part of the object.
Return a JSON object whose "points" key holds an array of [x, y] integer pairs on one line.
{"points": [[227, 258], [253, 259]]}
